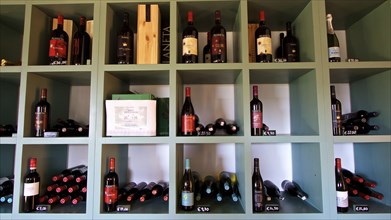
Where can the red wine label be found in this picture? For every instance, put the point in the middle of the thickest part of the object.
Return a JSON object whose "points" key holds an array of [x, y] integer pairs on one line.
{"points": [[189, 46], [111, 194], [218, 44], [256, 119], [188, 123], [334, 52], [342, 199], [41, 121], [31, 189], [58, 48], [264, 45], [187, 198]]}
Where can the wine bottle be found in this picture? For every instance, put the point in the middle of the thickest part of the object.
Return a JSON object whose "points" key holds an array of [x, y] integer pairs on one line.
{"points": [[7, 130], [190, 41], [166, 194], [124, 191], [342, 190], [225, 181], [209, 185], [81, 178], [199, 129], [280, 50], [336, 112], [187, 188], [110, 196], [75, 173], [258, 190], [220, 123], [125, 39], [77, 199], [197, 185], [158, 189], [210, 129], [357, 116], [360, 128], [81, 44], [219, 193], [31, 187], [267, 196], [273, 190], [58, 49], [294, 189], [291, 45], [207, 50], [42, 114], [263, 41], [134, 193], [75, 187], [367, 191], [146, 193], [66, 172], [188, 116], [65, 199], [218, 41], [256, 113], [234, 187], [7, 198], [6, 185], [332, 41], [231, 128], [347, 173]]}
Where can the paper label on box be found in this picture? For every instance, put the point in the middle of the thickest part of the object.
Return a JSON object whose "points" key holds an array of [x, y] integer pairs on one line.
{"points": [[129, 116]]}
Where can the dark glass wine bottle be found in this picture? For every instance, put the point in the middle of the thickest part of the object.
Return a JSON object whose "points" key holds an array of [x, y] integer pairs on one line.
{"points": [[225, 181], [110, 196], [258, 190], [220, 123], [342, 190], [187, 188], [218, 41], [125, 47], [6, 185], [158, 189], [231, 128], [124, 191], [7, 130], [81, 44], [190, 41], [134, 193], [360, 128], [352, 191], [146, 193], [66, 172], [75, 173], [58, 49], [263, 41], [332, 41], [166, 194], [291, 45], [256, 113], [368, 191], [42, 115], [234, 187], [77, 199], [209, 186], [197, 185], [280, 49], [200, 129], [219, 193], [349, 174], [31, 187], [336, 112], [357, 116], [188, 116], [273, 190], [207, 50], [294, 189], [210, 129]]}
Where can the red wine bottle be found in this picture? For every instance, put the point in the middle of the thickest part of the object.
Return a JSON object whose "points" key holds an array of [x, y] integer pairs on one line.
{"points": [[210, 129], [279, 51], [31, 187], [220, 123], [273, 190], [258, 189], [81, 44], [360, 128], [263, 41], [218, 41], [342, 190], [353, 177], [190, 41], [110, 196], [207, 50], [58, 49], [79, 198], [166, 194], [6, 185], [125, 47], [146, 193], [209, 186], [336, 113], [291, 45], [332, 41], [256, 109], [76, 187], [368, 191], [75, 173], [158, 189], [294, 189], [360, 115], [231, 128], [134, 193], [188, 116], [66, 172], [42, 115], [187, 188], [65, 199], [124, 191]]}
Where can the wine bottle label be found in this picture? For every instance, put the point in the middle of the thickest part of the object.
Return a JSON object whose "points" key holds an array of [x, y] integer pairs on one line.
{"points": [[342, 199], [41, 120], [334, 52], [123, 46], [189, 46], [256, 119], [31, 189], [218, 44], [188, 123], [264, 45], [258, 198], [58, 48], [111, 194], [208, 58], [291, 55], [187, 198]]}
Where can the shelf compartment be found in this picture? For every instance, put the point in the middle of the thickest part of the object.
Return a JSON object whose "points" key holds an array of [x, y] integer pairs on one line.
{"points": [[131, 166], [7, 158], [49, 164], [290, 99], [300, 13], [41, 26], [9, 98], [353, 17], [114, 16], [211, 159], [12, 29], [281, 161]]}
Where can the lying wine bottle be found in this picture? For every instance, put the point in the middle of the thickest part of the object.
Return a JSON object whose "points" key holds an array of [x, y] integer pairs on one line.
{"points": [[353, 177], [273, 190], [197, 185], [361, 115], [146, 193], [294, 189], [124, 191], [209, 186], [368, 191], [360, 128], [134, 193]]}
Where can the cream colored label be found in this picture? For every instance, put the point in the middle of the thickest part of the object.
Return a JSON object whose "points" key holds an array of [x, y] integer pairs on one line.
{"points": [[189, 46], [31, 189], [264, 45]]}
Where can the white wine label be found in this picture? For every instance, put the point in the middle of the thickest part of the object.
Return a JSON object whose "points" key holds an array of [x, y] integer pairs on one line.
{"points": [[334, 52], [31, 189], [342, 199], [264, 45], [187, 198], [189, 46]]}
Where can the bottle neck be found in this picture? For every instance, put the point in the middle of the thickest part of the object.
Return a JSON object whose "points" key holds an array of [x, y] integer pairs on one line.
{"points": [[217, 17], [288, 29], [112, 165], [82, 24], [330, 29], [60, 22], [262, 18], [255, 92]]}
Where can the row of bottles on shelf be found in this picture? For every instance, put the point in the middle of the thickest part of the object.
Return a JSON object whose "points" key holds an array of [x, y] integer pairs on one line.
{"points": [[353, 123], [6, 189], [219, 127], [354, 185], [7, 130]]}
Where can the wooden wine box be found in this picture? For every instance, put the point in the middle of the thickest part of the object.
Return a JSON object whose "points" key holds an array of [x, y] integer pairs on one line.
{"points": [[251, 42], [70, 28], [148, 34]]}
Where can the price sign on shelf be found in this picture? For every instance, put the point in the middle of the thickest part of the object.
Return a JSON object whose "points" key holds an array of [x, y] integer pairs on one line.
{"points": [[123, 208], [361, 208], [43, 208], [203, 208], [272, 207]]}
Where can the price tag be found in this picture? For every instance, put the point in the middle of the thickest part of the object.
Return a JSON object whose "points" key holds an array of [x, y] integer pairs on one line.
{"points": [[43, 208], [272, 207], [203, 208], [269, 133], [123, 208], [361, 208]]}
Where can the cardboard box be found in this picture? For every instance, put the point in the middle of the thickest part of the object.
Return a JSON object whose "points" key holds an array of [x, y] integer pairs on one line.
{"points": [[163, 116], [148, 34], [130, 117], [144, 96], [70, 28]]}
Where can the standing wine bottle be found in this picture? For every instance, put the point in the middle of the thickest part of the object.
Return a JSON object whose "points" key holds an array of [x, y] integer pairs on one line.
{"points": [[58, 49], [188, 116], [294, 189], [209, 186], [258, 190], [125, 47], [291, 45], [218, 41], [360, 115], [31, 187], [256, 113], [336, 113], [280, 49], [207, 50], [187, 188], [81, 44], [110, 196], [332, 41], [273, 190], [263, 41], [42, 115], [190, 41], [342, 190]]}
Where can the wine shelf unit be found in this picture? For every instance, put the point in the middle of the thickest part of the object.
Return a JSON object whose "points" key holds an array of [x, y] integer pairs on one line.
{"points": [[295, 96]]}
